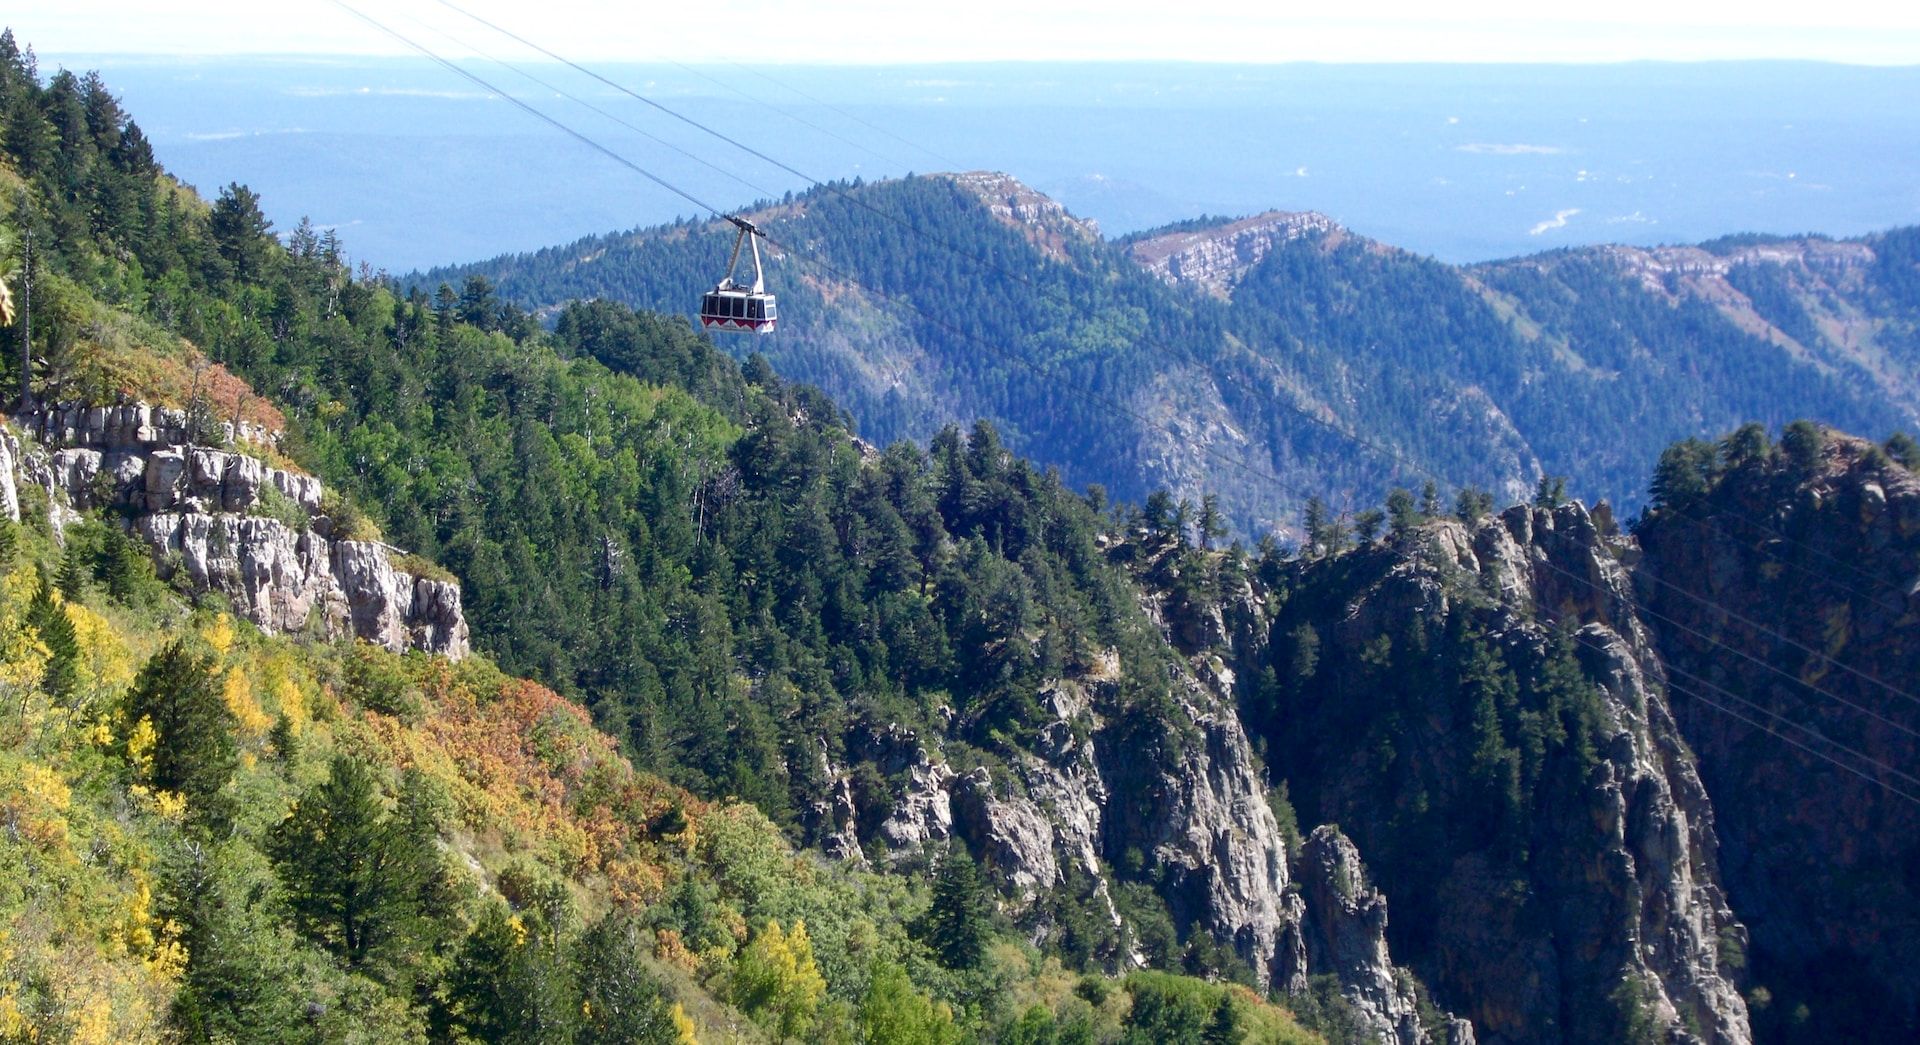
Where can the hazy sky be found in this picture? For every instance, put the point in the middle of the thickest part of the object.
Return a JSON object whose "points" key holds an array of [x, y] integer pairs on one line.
{"points": [[886, 31]]}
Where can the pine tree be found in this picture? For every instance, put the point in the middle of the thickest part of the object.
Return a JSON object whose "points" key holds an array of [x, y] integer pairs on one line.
{"points": [[1366, 525], [241, 232], [477, 303], [17, 267], [1182, 521], [235, 987], [620, 1000], [506, 986], [178, 692], [128, 568], [1401, 516], [354, 874], [444, 304], [303, 242], [104, 116], [1803, 442], [1472, 504], [1684, 474], [1157, 515], [76, 570], [959, 925], [1319, 525], [25, 132], [61, 678], [1224, 1027], [1748, 445], [1213, 525]]}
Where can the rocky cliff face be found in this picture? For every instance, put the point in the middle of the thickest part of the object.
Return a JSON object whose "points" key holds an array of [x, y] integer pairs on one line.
{"points": [[1107, 790], [1189, 796], [1214, 259], [226, 522], [1345, 930], [1787, 598], [1670, 270], [1044, 220], [1100, 781], [1481, 710]]}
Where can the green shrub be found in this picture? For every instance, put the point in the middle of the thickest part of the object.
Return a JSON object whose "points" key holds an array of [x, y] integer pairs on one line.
{"points": [[424, 568], [277, 506], [349, 522], [380, 681], [1902, 448]]}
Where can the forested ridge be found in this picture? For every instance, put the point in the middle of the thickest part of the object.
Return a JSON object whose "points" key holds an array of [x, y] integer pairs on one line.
{"points": [[1584, 362]]}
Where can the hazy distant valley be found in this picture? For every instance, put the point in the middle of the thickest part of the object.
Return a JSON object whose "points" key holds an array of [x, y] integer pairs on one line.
{"points": [[1466, 163]]}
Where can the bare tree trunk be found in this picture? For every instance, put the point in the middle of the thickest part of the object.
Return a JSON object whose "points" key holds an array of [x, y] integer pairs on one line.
{"points": [[26, 324]]}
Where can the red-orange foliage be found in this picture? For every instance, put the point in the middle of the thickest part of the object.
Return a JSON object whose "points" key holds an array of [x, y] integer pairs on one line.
{"points": [[526, 768], [171, 380], [232, 397]]}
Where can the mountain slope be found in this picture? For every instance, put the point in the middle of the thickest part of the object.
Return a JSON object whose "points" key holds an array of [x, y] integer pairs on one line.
{"points": [[1030, 740], [1082, 359], [1233, 367], [255, 837]]}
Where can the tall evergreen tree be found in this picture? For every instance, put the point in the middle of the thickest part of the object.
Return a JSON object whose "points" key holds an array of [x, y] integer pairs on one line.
{"points": [[1224, 1027], [1401, 515], [178, 694], [241, 232], [1684, 474], [1803, 442], [354, 873], [620, 1000], [1430, 500], [61, 678], [960, 922], [506, 986]]}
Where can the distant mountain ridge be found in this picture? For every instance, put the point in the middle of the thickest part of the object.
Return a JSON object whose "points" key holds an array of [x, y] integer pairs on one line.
{"points": [[1253, 358], [1804, 295]]}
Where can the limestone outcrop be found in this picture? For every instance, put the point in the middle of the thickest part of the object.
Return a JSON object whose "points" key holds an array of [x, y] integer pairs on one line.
{"points": [[1214, 259], [225, 521]]}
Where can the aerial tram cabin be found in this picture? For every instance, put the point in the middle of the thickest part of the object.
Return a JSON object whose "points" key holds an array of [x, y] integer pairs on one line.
{"points": [[739, 307]]}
